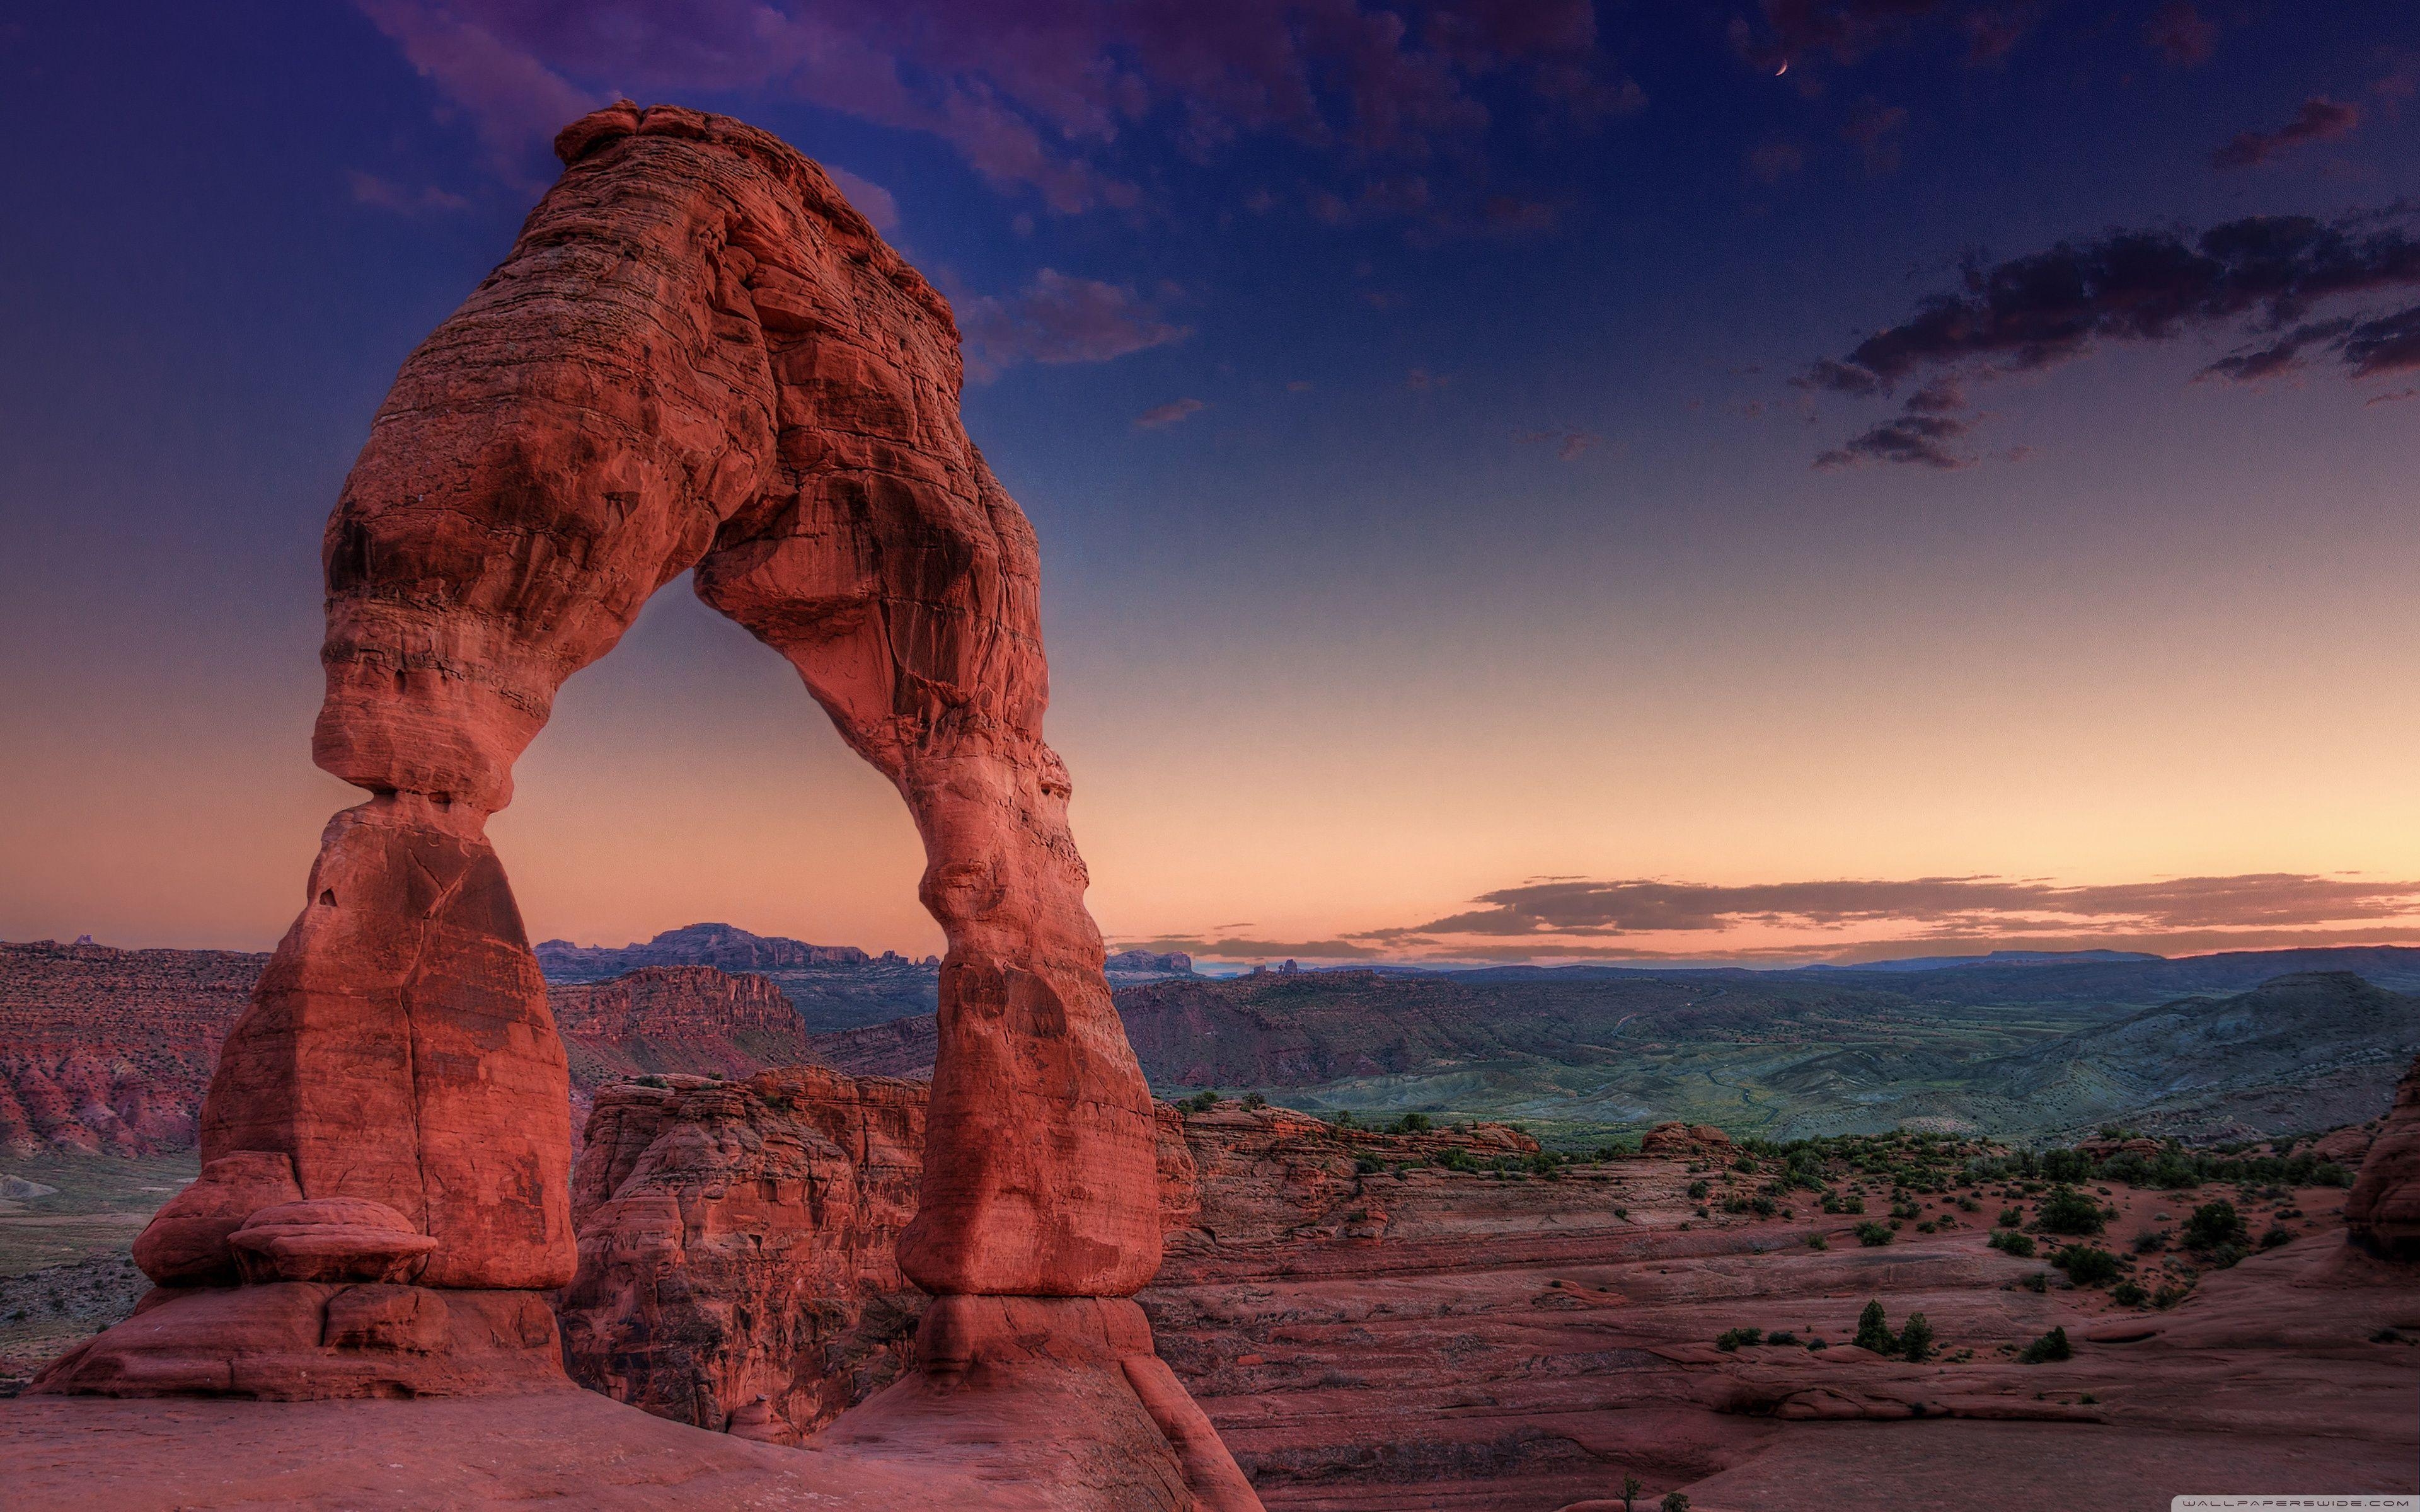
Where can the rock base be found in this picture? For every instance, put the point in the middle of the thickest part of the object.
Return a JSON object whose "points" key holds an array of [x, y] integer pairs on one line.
{"points": [[296, 1342], [1061, 1397]]}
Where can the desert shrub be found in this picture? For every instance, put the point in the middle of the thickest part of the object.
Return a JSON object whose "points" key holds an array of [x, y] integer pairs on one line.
{"points": [[2066, 1164], [1731, 1338], [1818, 1241], [1845, 1202], [1255, 1101], [1916, 1339], [2150, 1241], [2276, 1236], [1699, 1190], [2008, 1242], [1781, 1337], [2214, 1223], [2012, 1217], [2051, 1346], [2171, 1294], [1674, 1502], [2039, 1281], [2066, 1211], [1873, 1329], [1412, 1123], [1905, 1210], [1365, 1165], [1457, 1159], [1928, 1228], [2225, 1255], [2087, 1265], [2129, 1294], [1873, 1234]]}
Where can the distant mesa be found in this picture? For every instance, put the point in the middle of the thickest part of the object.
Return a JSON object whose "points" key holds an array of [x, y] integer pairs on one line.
{"points": [[1145, 965], [723, 945]]}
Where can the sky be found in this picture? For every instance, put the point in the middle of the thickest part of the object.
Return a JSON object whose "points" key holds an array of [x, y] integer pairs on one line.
{"points": [[1774, 481]]}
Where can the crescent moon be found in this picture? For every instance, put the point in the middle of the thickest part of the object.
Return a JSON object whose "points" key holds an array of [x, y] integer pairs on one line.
{"points": [[1784, 69]]}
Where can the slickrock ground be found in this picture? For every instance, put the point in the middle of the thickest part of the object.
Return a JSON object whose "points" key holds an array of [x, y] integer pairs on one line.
{"points": [[1518, 1345], [1446, 1338]]}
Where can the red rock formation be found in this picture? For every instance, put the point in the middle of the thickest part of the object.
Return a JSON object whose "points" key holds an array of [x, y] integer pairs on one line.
{"points": [[692, 1019], [699, 359], [735, 1238], [735, 1246], [1702, 1141], [2382, 1210], [108, 1051]]}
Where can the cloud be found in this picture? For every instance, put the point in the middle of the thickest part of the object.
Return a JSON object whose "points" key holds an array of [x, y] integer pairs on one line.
{"points": [[1911, 437], [2260, 276], [1776, 161], [385, 195], [2319, 119], [1874, 127], [1570, 909], [1061, 319], [1233, 947], [2178, 32], [1846, 30], [1169, 413], [871, 200], [1043, 98], [1569, 445], [2385, 344]]}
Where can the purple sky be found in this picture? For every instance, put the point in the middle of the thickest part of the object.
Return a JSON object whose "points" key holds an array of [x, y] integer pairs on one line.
{"points": [[1527, 480]]}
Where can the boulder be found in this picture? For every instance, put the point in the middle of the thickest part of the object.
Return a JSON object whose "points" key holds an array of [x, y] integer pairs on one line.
{"points": [[185, 1244]]}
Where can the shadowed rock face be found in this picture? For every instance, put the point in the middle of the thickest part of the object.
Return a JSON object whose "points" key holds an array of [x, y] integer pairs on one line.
{"points": [[2382, 1209], [697, 358]]}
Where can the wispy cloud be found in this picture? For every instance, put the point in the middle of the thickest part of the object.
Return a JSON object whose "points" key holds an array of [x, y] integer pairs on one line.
{"points": [[2318, 119], [385, 195], [1569, 445], [1569, 908], [1161, 415], [1059, 317]]}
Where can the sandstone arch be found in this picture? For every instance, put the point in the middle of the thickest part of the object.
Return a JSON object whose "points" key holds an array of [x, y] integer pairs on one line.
{"points": [[697, 357]]}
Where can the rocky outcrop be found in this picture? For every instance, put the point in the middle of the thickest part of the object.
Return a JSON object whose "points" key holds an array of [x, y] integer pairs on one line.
{"points": [[692, 1019], [1148, 965], [736, 1266], [2382, 1210], [1702, 1141], [696, 358], [737, 1247], [107, 1051]]}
